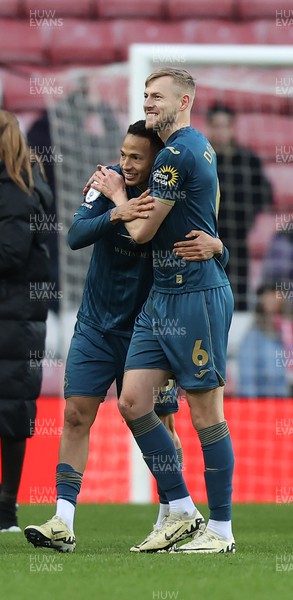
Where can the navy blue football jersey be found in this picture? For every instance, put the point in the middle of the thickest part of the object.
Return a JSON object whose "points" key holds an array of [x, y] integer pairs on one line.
{"points": [[184, 176]]}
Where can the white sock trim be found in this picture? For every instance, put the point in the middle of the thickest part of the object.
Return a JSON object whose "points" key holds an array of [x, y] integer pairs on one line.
{"points": [[182, 506], [163, 512], [222, 528], [65, 510]]}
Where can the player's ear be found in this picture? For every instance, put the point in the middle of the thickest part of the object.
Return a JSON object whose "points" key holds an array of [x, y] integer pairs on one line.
{"points": [[184, 102]]}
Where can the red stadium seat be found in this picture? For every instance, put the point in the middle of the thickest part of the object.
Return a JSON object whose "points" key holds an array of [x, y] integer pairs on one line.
{"points": [[183, 32], [262, 9], [17, 93], [265, 133], [178, 9], [21, 43], [281, 176], [130, 9], [145, 32], [246, 90], [46, 9], [266, 32], [34, 89], [217, 32], [79, 42], [9, 9], [261, 233]]}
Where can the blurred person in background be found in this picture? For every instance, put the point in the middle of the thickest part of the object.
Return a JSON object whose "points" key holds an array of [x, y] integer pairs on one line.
{"points": [[262, 358], [40, 142], [245, 192], [278, 269], [24, 270]]}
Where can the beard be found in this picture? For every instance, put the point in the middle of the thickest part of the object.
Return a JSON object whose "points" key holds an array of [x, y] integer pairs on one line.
{"points": [[164, 122]]}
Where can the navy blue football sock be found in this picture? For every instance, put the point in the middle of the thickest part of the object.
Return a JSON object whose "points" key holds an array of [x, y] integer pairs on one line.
{"points": [[219, 464], [160, 455], [161, 494], [68, 482]]}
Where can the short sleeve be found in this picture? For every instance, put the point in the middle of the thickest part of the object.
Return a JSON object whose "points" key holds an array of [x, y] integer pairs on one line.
{"points": [[169, 173]]}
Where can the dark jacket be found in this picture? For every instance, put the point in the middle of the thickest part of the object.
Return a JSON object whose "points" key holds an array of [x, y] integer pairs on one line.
{"points": [[24, 275]]}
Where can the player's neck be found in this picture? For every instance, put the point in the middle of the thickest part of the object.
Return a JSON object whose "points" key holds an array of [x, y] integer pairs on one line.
{"points": [[166, 133]]}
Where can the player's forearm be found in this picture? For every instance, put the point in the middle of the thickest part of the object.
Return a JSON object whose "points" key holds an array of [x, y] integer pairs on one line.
{"points": [[141, 230], [85, 232]]}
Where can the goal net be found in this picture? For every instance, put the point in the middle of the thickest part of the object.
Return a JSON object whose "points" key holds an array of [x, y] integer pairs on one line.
{"points": [[253, 88]]}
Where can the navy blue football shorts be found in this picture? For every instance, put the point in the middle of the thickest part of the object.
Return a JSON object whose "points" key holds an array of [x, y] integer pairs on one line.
{"points": [[184, 334], [96, 359]]}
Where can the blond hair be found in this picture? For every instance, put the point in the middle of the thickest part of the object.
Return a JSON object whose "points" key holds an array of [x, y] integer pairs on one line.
{"points": [[14, 152], [181, 78]]}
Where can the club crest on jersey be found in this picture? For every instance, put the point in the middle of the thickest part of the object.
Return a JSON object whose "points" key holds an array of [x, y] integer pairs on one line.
{"points": [[166, 176]]}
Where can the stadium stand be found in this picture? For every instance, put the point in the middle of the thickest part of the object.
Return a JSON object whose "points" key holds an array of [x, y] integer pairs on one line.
{"points": [[20, 43], [80, 42], [276, 131], [130, 9], [58, 8], [9, 9], [197, 9], [259, 9], [280, 176]]}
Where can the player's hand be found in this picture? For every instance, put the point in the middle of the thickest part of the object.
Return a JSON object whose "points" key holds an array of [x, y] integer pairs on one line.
{"points": [[88, 184], [199, 246], [109, 183], [136, 208]]}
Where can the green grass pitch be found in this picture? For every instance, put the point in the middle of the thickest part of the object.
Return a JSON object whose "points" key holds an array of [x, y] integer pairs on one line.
{"points": [[102, 568]]}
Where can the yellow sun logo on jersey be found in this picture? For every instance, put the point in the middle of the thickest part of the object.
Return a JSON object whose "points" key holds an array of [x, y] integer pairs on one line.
{"points": [[171, 173]]}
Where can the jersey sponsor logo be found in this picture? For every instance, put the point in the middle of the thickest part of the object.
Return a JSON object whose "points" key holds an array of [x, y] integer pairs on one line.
{"points": [[166, 176], [201, 373], [172, 149]]}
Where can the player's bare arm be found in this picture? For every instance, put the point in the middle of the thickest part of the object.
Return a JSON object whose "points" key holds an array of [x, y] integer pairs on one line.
{"points": [[112, 185]]}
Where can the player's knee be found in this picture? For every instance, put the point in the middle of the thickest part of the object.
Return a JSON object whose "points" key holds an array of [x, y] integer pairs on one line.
{"points": [[74, 417], [127, 407]]}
